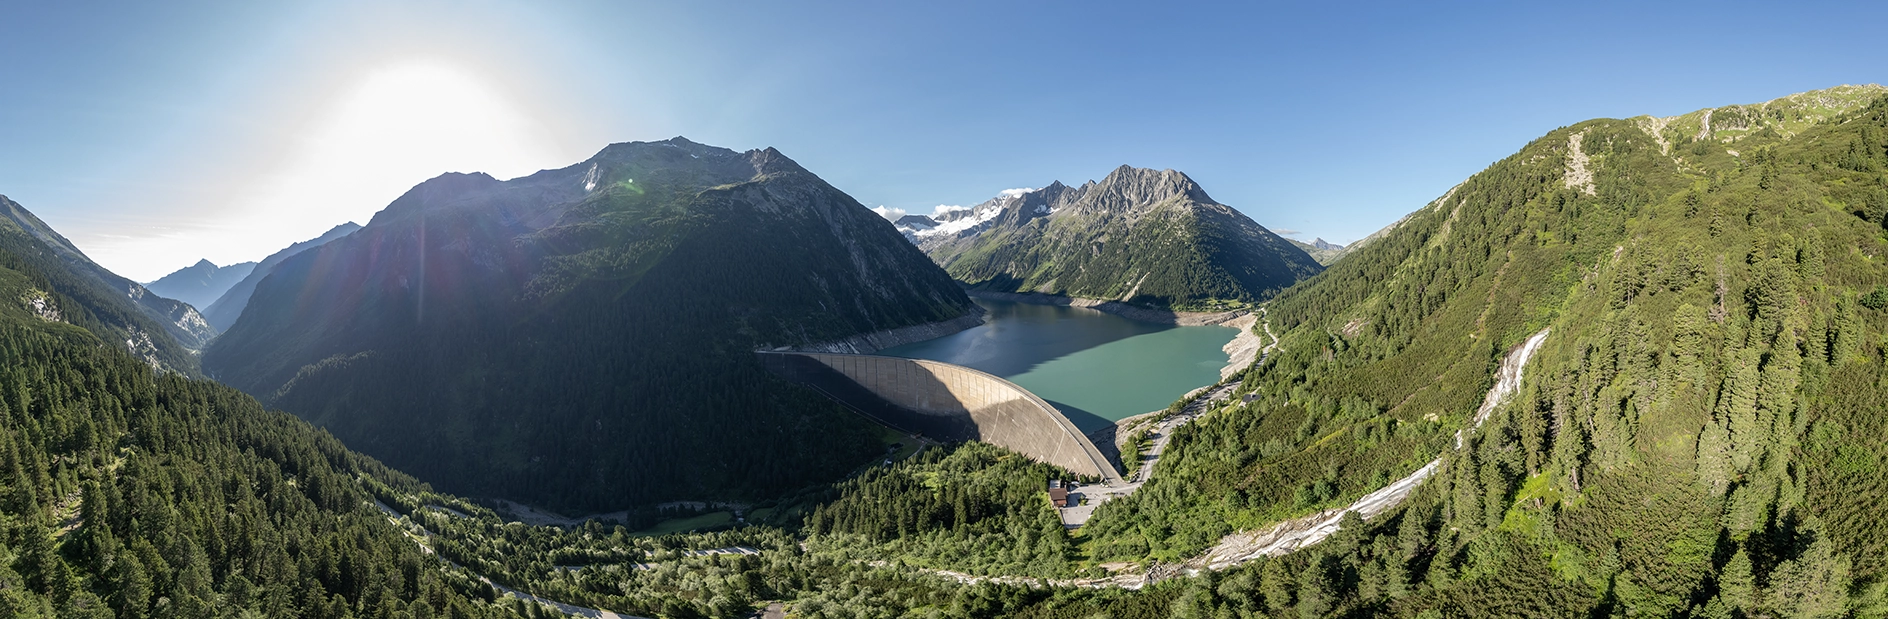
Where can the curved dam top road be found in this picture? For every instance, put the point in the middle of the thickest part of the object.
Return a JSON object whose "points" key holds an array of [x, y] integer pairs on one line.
{"points": [[947, 402]]}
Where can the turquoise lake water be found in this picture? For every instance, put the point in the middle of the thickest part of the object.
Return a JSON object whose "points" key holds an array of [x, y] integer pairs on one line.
{"points": [[1096, 367]]}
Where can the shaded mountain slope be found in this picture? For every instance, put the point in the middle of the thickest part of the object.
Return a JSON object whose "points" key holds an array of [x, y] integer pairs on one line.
{"points": [[163, 332], [1140, 236], [583, 337], [228, 305]]}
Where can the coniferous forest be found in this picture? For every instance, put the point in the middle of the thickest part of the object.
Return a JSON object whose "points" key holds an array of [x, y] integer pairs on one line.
{"points": [[1701, 434]]}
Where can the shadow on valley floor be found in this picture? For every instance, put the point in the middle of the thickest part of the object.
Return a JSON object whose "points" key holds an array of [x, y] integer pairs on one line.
{"points": [[1100, 430]]}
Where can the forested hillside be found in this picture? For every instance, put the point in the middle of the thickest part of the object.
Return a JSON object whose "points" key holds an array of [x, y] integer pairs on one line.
{"points": [[130, 492], [583, 338], [1698, 436], [161, 331]]}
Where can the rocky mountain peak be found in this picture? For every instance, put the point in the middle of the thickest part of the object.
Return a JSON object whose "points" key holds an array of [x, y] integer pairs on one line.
{"points": [[674, 153], [1132, 186], [441, 190], [770, 161]]}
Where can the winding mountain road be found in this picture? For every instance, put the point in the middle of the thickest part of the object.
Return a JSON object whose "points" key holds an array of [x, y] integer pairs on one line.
{"points": [[1162, 432], [1296, 533]]}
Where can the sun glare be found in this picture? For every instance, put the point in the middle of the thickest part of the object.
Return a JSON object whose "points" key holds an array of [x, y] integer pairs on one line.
{"points": [[397, 126]]}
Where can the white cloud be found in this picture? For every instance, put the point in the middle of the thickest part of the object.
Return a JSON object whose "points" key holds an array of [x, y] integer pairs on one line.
{"points": [[1011, 193], [947, 208], [888, 212], [1286, 232]]}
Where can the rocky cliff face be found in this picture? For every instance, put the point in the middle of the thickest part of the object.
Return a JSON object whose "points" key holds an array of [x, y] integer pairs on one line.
{"points": [[1148, 237]]}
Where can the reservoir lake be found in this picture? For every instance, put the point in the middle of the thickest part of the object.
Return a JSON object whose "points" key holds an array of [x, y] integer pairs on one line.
{"points": [[1096, 367]]}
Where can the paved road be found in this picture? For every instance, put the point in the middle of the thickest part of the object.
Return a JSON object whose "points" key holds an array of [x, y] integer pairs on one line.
{"points": [[1162, 431]]}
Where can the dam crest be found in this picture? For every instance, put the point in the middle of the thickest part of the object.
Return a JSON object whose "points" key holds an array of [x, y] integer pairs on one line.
{"points": [[946, 402]]}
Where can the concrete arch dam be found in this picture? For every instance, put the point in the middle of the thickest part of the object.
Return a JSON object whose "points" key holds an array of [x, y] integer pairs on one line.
{"points": [[946, 402]]}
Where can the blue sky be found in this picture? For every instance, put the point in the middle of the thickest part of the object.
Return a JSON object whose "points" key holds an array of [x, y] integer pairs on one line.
{"points": [[154, 134]]}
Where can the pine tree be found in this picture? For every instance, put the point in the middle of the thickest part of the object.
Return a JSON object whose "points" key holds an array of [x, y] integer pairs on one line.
{"points": [[1714, 457], [1737, 406], [1848, 332]]}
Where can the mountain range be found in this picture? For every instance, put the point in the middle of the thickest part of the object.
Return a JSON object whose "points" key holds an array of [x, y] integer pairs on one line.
{"points": [[130, 489], [584, 337], [1138, 236], [1636, 368], [1320, 250], [1698, 434], [228, 305], [200, 284], [163, 332]]}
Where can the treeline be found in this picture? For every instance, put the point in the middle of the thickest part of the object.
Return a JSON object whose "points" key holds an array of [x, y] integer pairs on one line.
{"points": [[29, 266]]}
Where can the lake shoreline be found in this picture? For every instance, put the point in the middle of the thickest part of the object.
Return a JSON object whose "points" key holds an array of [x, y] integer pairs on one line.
{"points": [[868, 343], [1124, 310]]}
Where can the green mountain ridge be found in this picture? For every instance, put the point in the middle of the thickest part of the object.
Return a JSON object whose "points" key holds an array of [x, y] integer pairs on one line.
{"points": [[165, 333], [1697, 436], [1139, 236], [131, 492], [583, 338]]}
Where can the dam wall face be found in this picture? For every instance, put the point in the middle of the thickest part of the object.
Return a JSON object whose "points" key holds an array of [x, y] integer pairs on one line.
{"points": [[947, 402]]}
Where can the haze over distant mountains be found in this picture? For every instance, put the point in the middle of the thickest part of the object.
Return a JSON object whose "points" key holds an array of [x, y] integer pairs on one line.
{"points": [[200, 284], [228, 305], [584, 337], [1141, 236], [161, 331]]}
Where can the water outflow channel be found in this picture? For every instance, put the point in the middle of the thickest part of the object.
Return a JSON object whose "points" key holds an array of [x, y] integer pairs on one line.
{"points": [[1297, 533]]}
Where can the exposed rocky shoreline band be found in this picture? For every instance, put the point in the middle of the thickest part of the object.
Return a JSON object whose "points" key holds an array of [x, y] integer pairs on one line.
{"points": [[869, 343], [1124, 310]]}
